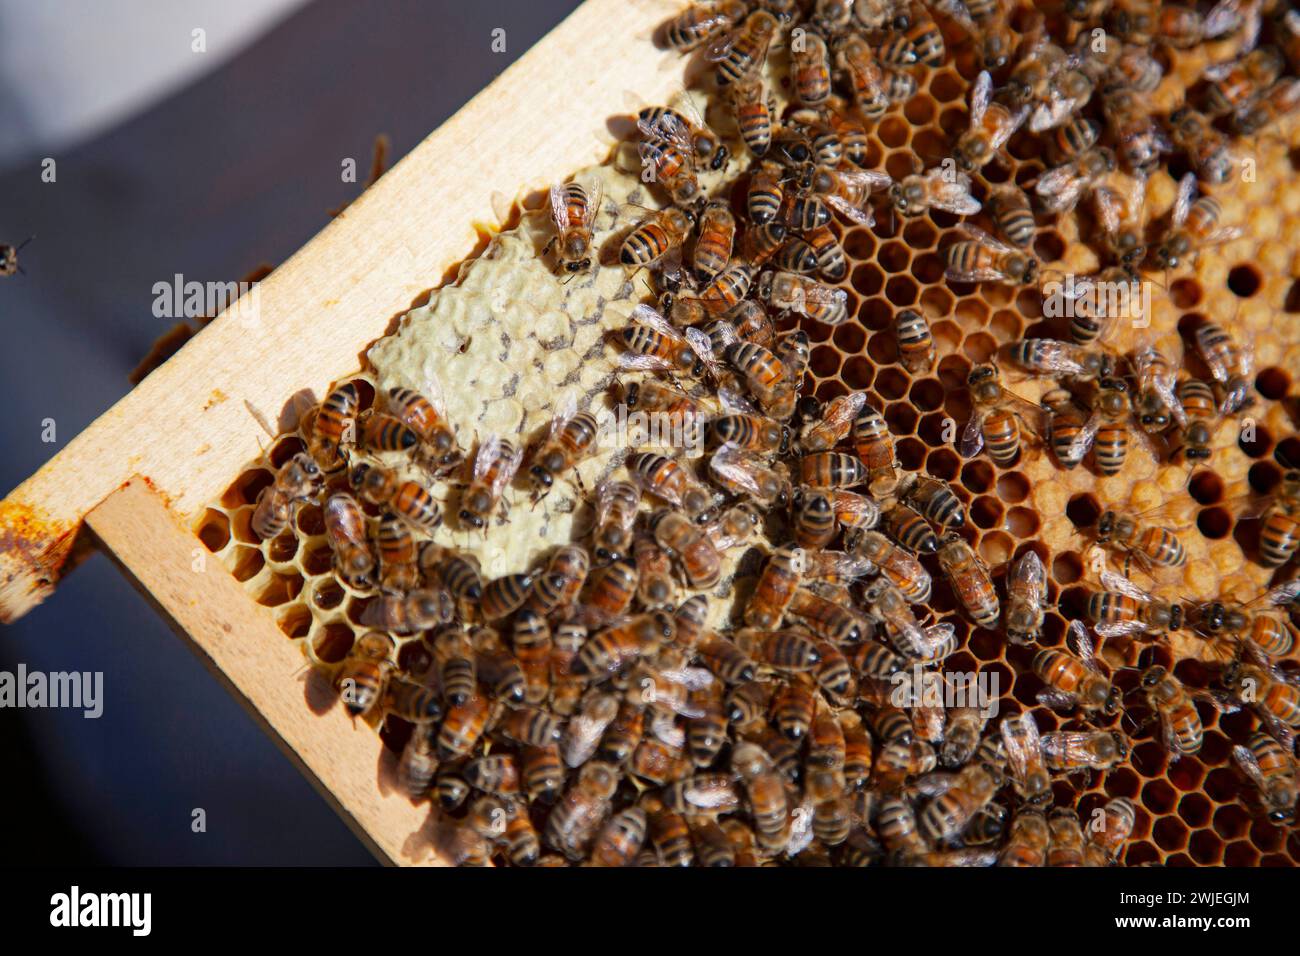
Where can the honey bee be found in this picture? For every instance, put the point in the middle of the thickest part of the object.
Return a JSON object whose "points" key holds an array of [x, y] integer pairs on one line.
{"points": [[1231, 365], [753, 115], [758, 245], [1106, 840], [1072, 751], [1035, 68], [345, 526], [1061, 187], [407, 613], [962, 736], [616, 510], [1009, 207], [897, 564], [1272, 693], [741, 472], [1051, 357], [573, 823], [1029, 840], [1155, 402], [1266, 632], [907, 636], [620, 839], [1067, 92], [674, 482], [1025, 759], [813, 517], [769, 380], [297, 482], [9, 257], [427, 419], [334, 429], [364, 673], [854, 58], [714, 243], [1235, 83], [1067, 847], [456, 663], [810, 71], [958, 800], [798, 256], [418, 763], [970, 580], [1272, 769], [611, 648], [1180, 723], [832, 422], [1026, 599], [1279, 535], [915, 343], [1000, 416], [667, 153], [830, 469], [655, 238], [709, 149], [1278, 101], [1072, 139], [1124, 609], [1193, 227], [848, 191], [1107, 431], [411, 701], [1200, 420], [875, 447], [934, 189], [981, 258], [610, 589], [741, 54], [573, 211], [701, 22], [572, 438], [495, 465], [920, 42], [766, 193], [1139, 140], [991, 125], [1135, 536], [689, 546], [1206, 148], [653, 345]]}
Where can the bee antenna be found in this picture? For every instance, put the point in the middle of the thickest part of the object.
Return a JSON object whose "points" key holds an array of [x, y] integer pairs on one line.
{"points": [[23, 245]]}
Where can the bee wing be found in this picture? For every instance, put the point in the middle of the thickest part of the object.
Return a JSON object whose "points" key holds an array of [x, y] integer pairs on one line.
{"points": [[956, 11], [1110, 208], [1060, 188], [1283, 593], [874, 180], [972, 439], [1078, 640], [973, 275], [1143, 360], [636, 362], [684, 103], [726, 463], [981, 95], [489, 449], [1120, 629], [984, 238], [837, 564], [1029, 572], [954, 196], [562, 411], [1083, 441], [1052, 113], [1023, 745], [1183, 201], [719, 47], [1245, 759], [936, 635], [650, 317], [1004, 133], [822, 294], [595, 198], [702, 346], [692, 678], [1226, 16], [936, 783], [506, 473], [1113, 581], [1057, 699], [859, 214], [559, 207], [1221, 235], [736, 403], [1033, 416]]}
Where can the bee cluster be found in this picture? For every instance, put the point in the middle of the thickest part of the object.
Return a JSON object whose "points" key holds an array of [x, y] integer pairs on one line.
{"points": [[602, 708]]}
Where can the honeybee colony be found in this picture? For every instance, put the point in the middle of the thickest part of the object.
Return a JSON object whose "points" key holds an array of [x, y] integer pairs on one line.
{"points": [[687, 525]]}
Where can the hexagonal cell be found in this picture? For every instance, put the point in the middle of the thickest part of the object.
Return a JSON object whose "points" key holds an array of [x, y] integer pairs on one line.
{"points": [[901, 290], [214, 529], [867, 279]]}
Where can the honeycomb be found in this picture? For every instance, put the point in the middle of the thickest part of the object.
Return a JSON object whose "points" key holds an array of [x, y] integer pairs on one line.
{"points": [[1196, 811]]}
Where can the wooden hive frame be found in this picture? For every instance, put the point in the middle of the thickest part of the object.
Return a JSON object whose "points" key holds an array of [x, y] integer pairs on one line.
{"points": [[140, 475]]}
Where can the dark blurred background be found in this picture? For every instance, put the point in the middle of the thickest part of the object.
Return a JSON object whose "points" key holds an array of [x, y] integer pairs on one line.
{"points": [[170, 160]]}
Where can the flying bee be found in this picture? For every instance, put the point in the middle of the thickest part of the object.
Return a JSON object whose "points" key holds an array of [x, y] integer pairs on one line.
{"points": [[1193, 227], [1026, 599], [981, 258], [848, 191], [714, 243], [334, 429], [364, 673], [970, 580], [1235, 83], [1061, 187], [866, 81], [1231, 365], [1139, 140], [573, 210], [875, 447], [896, 563], [1074, 679], [741, 54], [667, 153], [345, 525], [572, 438], [649, 243], [1009, 207], [1155, 402], [1200, 420], [833, 422], [709, 149], [426, 417], [494, 467], [653, 345], [1206, 148], [741, 472], [920, 42], [1025, 759], [934, 189], [991, 125], [1274, 772], [1000, 418], [1053, 358], [616, 510], [753, 114], [296, 483], [701, 22], [1124, 609]]}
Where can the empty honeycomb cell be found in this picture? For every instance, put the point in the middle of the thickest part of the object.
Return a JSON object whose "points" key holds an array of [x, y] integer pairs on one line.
{"points": [[246, 563], [1264, 476], [1273, 383], [1023, 522], [894, 256], [980, 347], [1221, 785], [1231, 821], [1139, 854], [867, 279], [214, 530], [296, 621], [1287, 452], [876, 315], [986, 512], [310, 520], [1186, 774], [850, 338], [858, 373], [891, 383], [328, 595], [1012, 487], [901, 418], [282, 548], [910, 452], [946, 86], [1149, 759], [317, 560], [1214, 523], [926, 394], [1266, 837], [820, 331], [284, 449], [245, 489], [932, 428], [996, 547], [919, 234], [1185, 293], [946, 336], [944, 464], [1006, 326], [1244, 280], [899, 165], [1256, 441], [830, 389], [1169, 833], [1123, 782], [901, 290], [928, 268], [1240, 853], [859, 244], [1205, 487], [1049, 246], [1205, 848], [971, 314], [280, 589], [824, 361], [977, 475], [936, 301], [893, 131]]}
